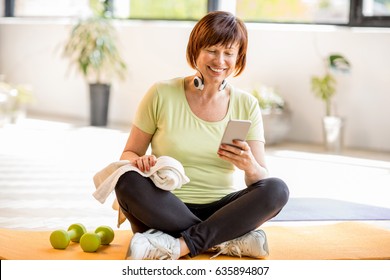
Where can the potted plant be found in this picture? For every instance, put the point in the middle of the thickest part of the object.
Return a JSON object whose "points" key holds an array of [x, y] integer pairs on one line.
{"points": [[324, 87], [93, 48], [275, 112], [14, 100]]}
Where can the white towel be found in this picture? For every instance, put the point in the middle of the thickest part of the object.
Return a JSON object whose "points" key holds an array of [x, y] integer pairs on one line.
{"points": [[167, 174]]}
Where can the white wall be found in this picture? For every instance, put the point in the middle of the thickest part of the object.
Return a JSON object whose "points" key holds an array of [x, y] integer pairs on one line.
{"points": [[279, 55]]}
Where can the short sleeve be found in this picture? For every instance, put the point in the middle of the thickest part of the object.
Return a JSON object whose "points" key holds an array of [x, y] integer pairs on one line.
{"points": [[246, 107], [146, 117]]}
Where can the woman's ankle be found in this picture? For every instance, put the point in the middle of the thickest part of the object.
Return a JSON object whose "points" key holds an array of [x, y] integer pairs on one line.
{"points": [[183, 247]]}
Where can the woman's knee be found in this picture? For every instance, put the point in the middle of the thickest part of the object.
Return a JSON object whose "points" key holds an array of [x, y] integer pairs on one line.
{"points": [[127, 184], [276, 190], [280, 189]]}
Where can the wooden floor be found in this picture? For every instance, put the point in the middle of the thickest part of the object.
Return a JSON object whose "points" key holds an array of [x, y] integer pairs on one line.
{"points": [[46, 170]]}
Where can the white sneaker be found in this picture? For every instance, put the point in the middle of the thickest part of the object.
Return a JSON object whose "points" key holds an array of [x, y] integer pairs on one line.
{"points": [[154, 245], [253, 244]]}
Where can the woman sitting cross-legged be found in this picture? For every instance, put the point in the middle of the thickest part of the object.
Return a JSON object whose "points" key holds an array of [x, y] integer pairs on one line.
{"points": [[184, 118]]}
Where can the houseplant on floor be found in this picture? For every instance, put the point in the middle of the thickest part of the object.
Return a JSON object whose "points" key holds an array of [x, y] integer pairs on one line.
{"points": [[275, 112], [14, 101], [324, 87], [93, 48]]}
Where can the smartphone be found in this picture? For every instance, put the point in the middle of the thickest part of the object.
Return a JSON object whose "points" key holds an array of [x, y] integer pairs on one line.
{"points": [[236, 130]]}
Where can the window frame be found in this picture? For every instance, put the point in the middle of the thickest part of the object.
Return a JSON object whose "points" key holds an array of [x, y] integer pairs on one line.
{"points": [[356, 17]]}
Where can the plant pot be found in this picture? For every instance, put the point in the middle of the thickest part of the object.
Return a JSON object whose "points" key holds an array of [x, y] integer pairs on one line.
{"points": [[3, 109], [18, 113], [333, 129], [276, 126], [99, 101]]}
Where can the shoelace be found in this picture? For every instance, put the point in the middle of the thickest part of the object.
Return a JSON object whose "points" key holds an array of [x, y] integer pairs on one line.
{"points": [[159, 252], [228, 248]]}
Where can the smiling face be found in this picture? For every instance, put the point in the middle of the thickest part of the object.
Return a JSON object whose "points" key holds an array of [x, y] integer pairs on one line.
{"points": [[217, 62], [217, 45]]}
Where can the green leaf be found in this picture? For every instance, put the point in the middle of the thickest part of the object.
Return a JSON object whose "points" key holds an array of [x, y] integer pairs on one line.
{"points": [[92, 46], [324, 87], [337, 62]]}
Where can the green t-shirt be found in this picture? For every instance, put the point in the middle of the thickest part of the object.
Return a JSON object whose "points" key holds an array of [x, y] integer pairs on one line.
{"points": [[179, 133]]}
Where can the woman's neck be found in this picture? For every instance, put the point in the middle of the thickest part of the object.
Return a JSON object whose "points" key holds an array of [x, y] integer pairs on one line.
{"points": [[209, 104]]}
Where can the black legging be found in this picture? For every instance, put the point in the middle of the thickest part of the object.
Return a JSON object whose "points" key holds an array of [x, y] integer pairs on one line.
{"points": [[201, 225]]}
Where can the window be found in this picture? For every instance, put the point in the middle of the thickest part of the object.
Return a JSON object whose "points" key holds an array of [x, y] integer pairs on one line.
{"points": [[338, 12], [136, 9], [376, 8], [168, 9], [47, 8], [341, 12], [295, 11], [371, 13]]}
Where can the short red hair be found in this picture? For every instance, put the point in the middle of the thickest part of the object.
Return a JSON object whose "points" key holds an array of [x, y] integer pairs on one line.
{"points": [[218, 28]]}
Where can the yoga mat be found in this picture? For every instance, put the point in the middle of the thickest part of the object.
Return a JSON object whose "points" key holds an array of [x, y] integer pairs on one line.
{"points": [[345, 240], [323, 209]]}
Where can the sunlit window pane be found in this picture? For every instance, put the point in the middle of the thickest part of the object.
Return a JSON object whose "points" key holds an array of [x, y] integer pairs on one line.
{"points": [[50, 8], [141, 9], [168, 9], [376, 8], [294, 11]]}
